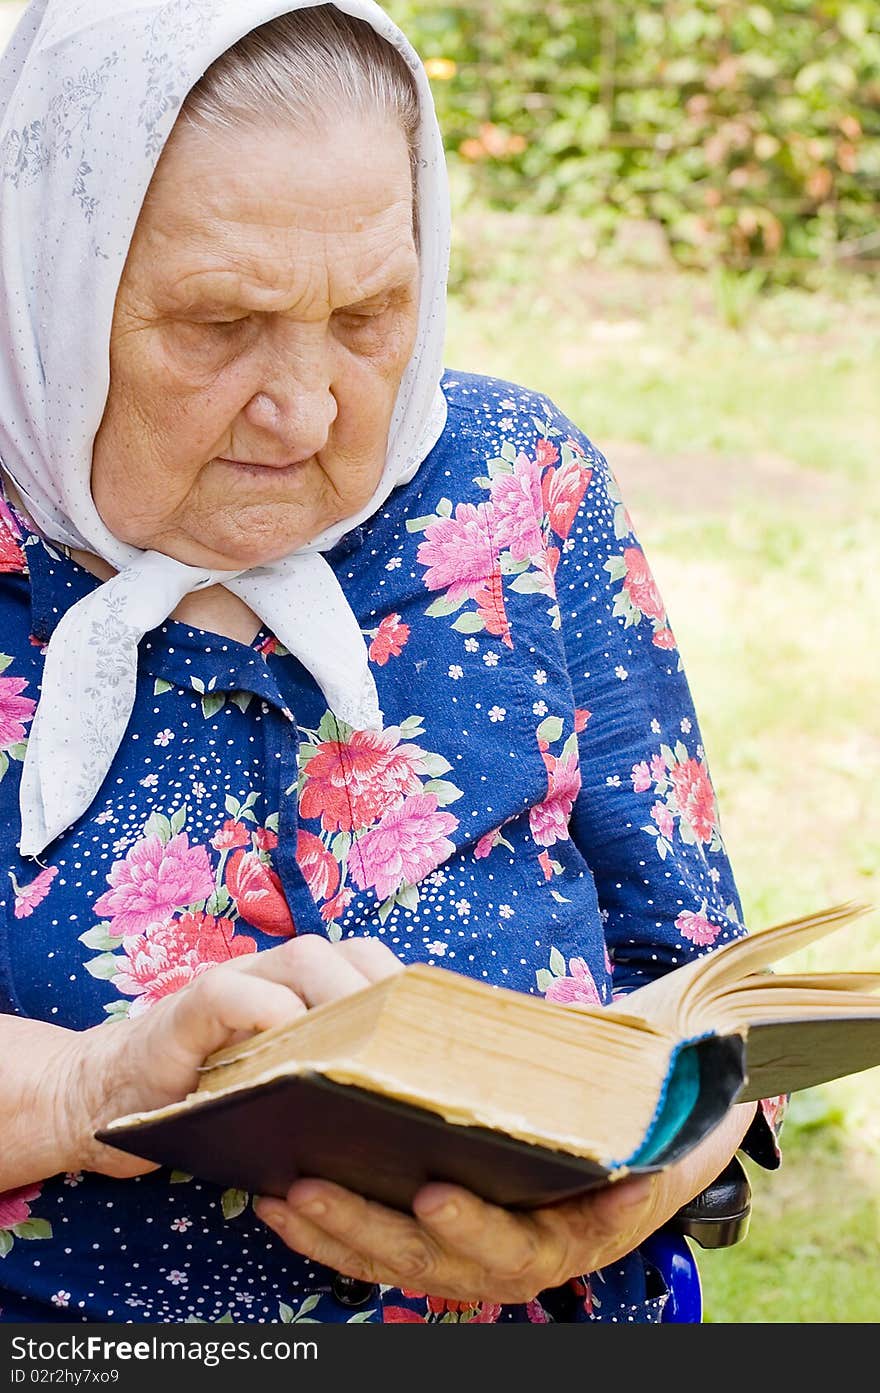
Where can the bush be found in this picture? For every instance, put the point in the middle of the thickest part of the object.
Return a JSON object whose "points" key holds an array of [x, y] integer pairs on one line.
{"points": [[751, 132]]}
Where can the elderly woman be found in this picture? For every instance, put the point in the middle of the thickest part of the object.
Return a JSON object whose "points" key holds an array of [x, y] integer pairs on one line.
{"points": [[318, 659]]}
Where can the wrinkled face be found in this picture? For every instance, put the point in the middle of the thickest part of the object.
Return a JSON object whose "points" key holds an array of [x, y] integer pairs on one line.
{"points": [[264, 319]]}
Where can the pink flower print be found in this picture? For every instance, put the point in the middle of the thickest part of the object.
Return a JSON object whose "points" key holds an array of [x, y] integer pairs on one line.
{"points": [[321, 870], [519, 509], [697, 927], [231, 834], [460, 552], [774, 1110], [486, 844], [663, 820], [658, 767], [259, 894], [11, 554], [536, 1313], [548, 821], [174, 955], [164, 737], [695, 797], [641, 777], [663, 638], [27, 897], [546, 865], [579, 986], [153, 880], [265, 839], [181, 1225], [390, 638], [15, 1205], [581, 717], [61, 1298], [640, 585], [337, 906], [177, 1278], [546, 453], [563, 491], [350, 784], [409, 842], [492, 610], [14, 711]]}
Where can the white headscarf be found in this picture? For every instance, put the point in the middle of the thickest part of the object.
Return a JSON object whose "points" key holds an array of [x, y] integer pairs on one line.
{"points": [[89, 91]]}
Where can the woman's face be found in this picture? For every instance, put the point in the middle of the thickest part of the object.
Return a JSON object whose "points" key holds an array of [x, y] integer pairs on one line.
{"points": [[264, 319]]}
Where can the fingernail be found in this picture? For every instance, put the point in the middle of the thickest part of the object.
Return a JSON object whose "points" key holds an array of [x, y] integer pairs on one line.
{"points": [[269, 1213], [441, 1209], [313, 1208]]}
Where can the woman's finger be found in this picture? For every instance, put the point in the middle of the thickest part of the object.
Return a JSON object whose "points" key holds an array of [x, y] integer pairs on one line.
{"points": [[221, 1004], [370, 956], [308, 965], [505, 1244]]}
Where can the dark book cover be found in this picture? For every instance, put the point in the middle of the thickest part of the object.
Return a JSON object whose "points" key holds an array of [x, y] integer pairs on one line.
{"points": [[263, 1138]]}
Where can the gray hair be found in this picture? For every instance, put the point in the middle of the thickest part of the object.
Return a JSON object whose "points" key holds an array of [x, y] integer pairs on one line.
{"points": [[302, 65]]}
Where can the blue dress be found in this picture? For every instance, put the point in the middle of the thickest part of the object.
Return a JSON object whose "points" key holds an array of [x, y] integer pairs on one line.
{"points": [[536, 812]]}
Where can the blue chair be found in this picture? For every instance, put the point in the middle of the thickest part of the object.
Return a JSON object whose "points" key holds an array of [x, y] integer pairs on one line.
{"points": [[716, 1218]]}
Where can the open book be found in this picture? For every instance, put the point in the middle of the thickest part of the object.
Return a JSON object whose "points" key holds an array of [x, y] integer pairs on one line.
{"points": [[432, 1075]]}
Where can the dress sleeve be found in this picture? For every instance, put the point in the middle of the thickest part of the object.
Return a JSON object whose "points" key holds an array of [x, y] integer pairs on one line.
{"points": [[646, 819]]}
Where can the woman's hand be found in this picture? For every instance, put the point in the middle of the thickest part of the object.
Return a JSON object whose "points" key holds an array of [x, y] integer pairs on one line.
{"points": [[463, 1249], [135, 1065]]}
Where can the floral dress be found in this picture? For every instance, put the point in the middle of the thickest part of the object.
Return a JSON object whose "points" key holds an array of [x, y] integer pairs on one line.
{"points": [[536, 812]]}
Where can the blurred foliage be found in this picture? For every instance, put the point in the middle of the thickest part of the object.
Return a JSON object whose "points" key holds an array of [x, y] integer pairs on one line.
{"points": [[750, 132]]}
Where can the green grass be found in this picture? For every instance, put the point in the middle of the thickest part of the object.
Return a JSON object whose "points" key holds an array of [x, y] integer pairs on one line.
{"points": [[756, 493]]}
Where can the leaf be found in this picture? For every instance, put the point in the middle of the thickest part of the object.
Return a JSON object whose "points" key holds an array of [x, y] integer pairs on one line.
{"points": [[33, 1228], [100, 938], [411, 727], [616, 567], [623, 608], [498, 467], [550, 729], [444, 791], [117, 1011], [544, 978], [621, 527], [334, 931], [560, 899], [340, 846], [220, 900], [212, 704], [438, 609], [419, 524], [271, 822], [232, 805], [663, 848], [5, 660], [197, 685], [444, 508], [385, 909], [509, 451], [179, 1177], [307, 1305], [18, 750], [157, 825], [160, 686], [570, 747], [557, 963], [435, 765], [681, 751], [178, 819], [469, 623], [241, 699], [104, 967], [408, 897], [530, 583], [509, 567], [250, 800], [6, 1242], [331, 727], [304, 754], [233, 1202], [483, 481], [4, 763], [668, 756], [285, 1313], [360, 1316]]}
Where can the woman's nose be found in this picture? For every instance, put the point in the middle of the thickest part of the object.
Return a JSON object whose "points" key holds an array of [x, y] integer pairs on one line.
{"points": [[295, 406]]}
